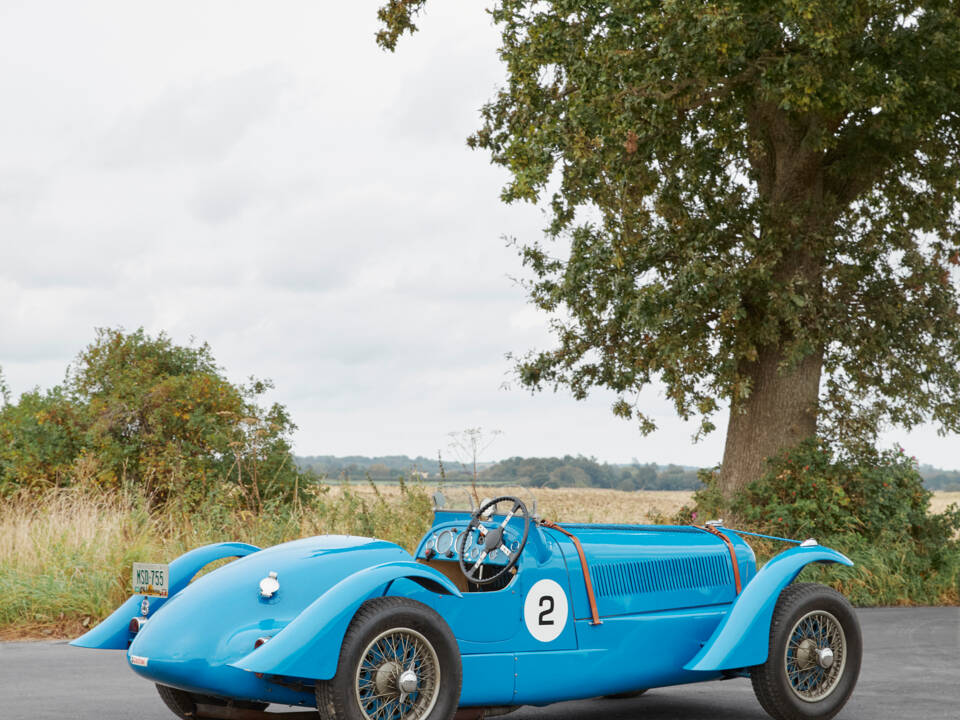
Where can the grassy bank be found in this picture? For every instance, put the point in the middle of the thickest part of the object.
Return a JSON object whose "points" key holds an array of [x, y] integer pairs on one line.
{"points": [[65, 557]]}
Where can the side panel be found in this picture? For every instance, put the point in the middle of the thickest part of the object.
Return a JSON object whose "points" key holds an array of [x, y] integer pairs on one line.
{"points": [[309, 646], [112, 633], [742, 639], [623, 654], [488, 679]]}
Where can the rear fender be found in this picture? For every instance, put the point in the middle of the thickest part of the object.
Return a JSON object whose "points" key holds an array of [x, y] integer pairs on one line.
{"points": [[113, 633], [309, 647], [742, 639]]}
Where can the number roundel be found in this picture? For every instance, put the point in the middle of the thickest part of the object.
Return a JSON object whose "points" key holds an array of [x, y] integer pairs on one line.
{"points": [[545, 610]]}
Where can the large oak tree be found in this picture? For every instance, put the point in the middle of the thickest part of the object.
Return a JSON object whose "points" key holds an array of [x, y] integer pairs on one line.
{"points": [[756, 204]]}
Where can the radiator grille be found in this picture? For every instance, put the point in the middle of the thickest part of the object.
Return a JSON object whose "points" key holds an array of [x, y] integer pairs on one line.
{"points": [[661, 575]]}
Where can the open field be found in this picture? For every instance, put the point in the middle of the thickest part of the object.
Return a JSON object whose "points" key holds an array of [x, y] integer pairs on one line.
{"points": [[565, 504], [596, 504], [941, 500]]}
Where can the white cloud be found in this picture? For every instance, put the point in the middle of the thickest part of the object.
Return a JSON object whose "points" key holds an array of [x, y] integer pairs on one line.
{"points": [[264, 178]]}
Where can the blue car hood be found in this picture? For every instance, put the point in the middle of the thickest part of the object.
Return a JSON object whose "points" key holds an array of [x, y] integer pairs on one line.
{"points": [[218, 617]]}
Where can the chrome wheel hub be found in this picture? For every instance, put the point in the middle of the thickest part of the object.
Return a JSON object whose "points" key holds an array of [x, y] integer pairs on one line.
{"points": [[408, 681], [398, 677], [815, 656]]}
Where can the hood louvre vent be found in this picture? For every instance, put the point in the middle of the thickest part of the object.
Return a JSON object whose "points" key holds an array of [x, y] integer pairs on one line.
{"points": [[662, 575]]}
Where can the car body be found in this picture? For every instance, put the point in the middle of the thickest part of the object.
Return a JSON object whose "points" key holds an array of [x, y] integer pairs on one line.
{"points": [[587, 610]]}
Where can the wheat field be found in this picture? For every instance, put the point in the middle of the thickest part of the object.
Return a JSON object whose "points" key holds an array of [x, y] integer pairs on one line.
{"points": [[592, 504]]}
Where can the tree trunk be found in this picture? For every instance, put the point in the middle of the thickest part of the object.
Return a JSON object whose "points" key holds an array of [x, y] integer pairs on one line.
{"points": [[780, 412]]}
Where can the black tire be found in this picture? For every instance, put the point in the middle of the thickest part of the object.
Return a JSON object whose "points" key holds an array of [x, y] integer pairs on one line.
{"points": [[817, 692], [184, 704], [389, 617]]}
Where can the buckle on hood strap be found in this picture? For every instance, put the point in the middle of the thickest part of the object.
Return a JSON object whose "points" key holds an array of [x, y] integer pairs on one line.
{"points": [[586, 570]]}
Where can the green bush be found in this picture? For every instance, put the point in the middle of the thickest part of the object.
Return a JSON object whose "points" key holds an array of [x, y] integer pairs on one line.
{"points": [[142, 412], [873, 507]]}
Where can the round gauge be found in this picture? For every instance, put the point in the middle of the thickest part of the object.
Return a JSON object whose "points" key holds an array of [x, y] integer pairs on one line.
{"points": [[431, 543], [494, 554], [514, 546], [445, 541], [472, 552]]}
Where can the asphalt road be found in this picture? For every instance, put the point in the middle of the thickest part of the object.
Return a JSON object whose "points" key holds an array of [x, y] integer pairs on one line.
{"points": [[911, 669]]}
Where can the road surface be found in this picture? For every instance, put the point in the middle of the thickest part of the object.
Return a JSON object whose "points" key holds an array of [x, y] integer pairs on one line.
{"points": [[911, 669]]}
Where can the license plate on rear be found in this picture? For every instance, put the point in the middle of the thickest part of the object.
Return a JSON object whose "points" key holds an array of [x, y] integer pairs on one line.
{"points": [[151, 579]]}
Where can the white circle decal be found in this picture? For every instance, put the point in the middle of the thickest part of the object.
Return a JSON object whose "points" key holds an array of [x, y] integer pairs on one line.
{"points": [[545, 610]]}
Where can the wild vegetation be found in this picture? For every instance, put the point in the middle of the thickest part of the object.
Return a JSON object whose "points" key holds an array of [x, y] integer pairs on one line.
{"points": [[66, 553], [141, 412], [146, 450], [875, 509], [753, 205]]}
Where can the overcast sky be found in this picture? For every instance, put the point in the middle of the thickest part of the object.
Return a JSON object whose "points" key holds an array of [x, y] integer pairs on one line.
{"points": [[261, 176]]}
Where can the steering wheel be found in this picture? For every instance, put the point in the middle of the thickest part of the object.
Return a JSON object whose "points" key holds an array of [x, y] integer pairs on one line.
{"points": [[492, 540]]}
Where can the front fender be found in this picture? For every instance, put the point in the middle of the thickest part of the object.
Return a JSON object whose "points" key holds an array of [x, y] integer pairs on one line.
{"points": [[113, 632], [309, 647], [742, 639]]}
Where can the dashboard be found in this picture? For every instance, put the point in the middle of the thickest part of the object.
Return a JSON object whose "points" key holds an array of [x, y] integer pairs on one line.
{"points": [[445, 543]]}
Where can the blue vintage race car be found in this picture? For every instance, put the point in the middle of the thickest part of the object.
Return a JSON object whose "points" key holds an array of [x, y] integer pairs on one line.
{"points": [[495, 609]]}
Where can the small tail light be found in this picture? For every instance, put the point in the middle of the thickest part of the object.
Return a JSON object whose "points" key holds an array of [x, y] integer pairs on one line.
{"points": [[137, 624], [260, 641]]}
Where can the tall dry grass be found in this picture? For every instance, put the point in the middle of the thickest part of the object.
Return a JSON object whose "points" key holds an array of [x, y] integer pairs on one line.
{"points": [[66, 556]]}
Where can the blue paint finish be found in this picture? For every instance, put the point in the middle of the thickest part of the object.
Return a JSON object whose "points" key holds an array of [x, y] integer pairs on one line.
{"points": [[623, 654], [113, 633], [309, 646], [192, 640], [644, 569], [665, 594], [488, 679], [742, 639]]}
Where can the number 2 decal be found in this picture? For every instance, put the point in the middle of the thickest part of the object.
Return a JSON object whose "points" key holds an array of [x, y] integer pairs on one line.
{"points": [[545, 610], [546, 601]]}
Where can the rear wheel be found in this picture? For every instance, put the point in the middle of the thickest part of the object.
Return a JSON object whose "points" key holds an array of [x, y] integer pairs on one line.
{"points": [[398, 660], [814, 658], [184, 704]]}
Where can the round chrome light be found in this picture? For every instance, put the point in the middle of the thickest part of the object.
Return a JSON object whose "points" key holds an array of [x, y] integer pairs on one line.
{"points": [[269, 586]]}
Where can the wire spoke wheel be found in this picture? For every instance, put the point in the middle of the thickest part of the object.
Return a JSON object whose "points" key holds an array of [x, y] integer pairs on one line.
{"points": [[398, 676], [815, 656]]}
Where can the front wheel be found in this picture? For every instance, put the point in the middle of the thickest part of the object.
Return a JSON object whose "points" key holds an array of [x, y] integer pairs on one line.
{"points": [[814, 658], [398, 660]]}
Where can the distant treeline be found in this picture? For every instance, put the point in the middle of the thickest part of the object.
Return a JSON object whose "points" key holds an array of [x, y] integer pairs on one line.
{"points": [[568, 471], [937, 479]]}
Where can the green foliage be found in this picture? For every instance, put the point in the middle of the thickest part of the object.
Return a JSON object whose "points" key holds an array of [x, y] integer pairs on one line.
{"points": [[140, 411], [732, 181], [4, 389], [873, 507]]}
